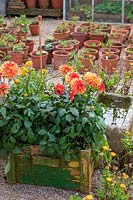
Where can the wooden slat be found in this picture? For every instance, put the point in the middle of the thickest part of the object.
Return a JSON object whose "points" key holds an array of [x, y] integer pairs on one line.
{"points": [[35, 12]]}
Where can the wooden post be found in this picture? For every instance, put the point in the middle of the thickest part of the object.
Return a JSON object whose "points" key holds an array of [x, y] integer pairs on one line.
{"points": [[40, 42], [86, 171]]}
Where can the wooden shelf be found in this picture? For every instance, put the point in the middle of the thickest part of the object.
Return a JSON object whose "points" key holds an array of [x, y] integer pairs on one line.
{"points": [[35, 12]]}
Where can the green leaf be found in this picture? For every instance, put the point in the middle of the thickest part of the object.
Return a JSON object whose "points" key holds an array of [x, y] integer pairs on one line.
{"points": [[27, 124], [3, 122], [67, 157], [43, 132], [3, 111], [15, 127], [7, 167], [61, 112], [52, 138], [43, 142], [74, 111], [16, 150], [62, 140], [69, 118], [98, 138]]}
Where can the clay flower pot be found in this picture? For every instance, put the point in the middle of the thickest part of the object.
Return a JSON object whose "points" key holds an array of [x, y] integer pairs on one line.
{"points": [[30, 44], [60, 58], [57, 4], [128, 60], [117, 37], [31, 3], [91, 51], [129, 50], [87, 62], [101, 36], [49, 48], [95, 44], [117, 45], [44, 4], [110, 50], [36, 59], [15, 56], [61, 35], [109, 63], [34, 29], [75, 43], [80, 36], [68, 47]]}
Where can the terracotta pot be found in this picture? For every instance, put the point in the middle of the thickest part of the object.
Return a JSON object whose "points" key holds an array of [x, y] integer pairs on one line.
{"points": [[131, 38], [31, 3], [95, 44], [101, 37], [50, 54], [44, 4], [61, 36], [75, 44], [128, 60], [109, 64], [91, 51], [21, 35], [110, 50], [87, 62], [129, 50], [117, 45], [118, 37], [80, 36], [36, 59], [30, 44], [60, 58], [106, 28], [57, 4], [17, 57], [34, 29], [69, 47]]}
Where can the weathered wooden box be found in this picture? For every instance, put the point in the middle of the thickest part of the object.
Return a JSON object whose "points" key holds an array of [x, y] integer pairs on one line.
{"points": [[33, 167]]}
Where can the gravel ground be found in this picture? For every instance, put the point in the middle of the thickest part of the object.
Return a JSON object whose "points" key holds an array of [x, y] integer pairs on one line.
{"points": [[29, 192]]}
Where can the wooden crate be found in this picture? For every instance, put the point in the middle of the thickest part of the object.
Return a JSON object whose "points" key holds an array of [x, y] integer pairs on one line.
{"points": [[37, 169]]}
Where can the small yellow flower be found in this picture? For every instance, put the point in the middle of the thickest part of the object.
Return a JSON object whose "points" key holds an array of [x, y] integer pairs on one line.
{"points": [[109, 179], [128, 133], [29, 63], [107, 167], [122, 185], [16, 81], [115, 168], [113, 154], [119, 177], [24, 71], [89, 197], [44, 72], [106, 148], [125, 176], [127, 77], [25, 94]]}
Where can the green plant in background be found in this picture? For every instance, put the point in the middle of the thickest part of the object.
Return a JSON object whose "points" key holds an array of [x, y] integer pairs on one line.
{"points": [[85, 8], [76, 197], [110, 81]]}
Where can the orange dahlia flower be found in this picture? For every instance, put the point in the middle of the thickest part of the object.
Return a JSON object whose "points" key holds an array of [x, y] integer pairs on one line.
{"points": [[10, 69], [4, 89], [78, 85], [59, 89], [64, 69], [93, 80], [70, 76]]}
